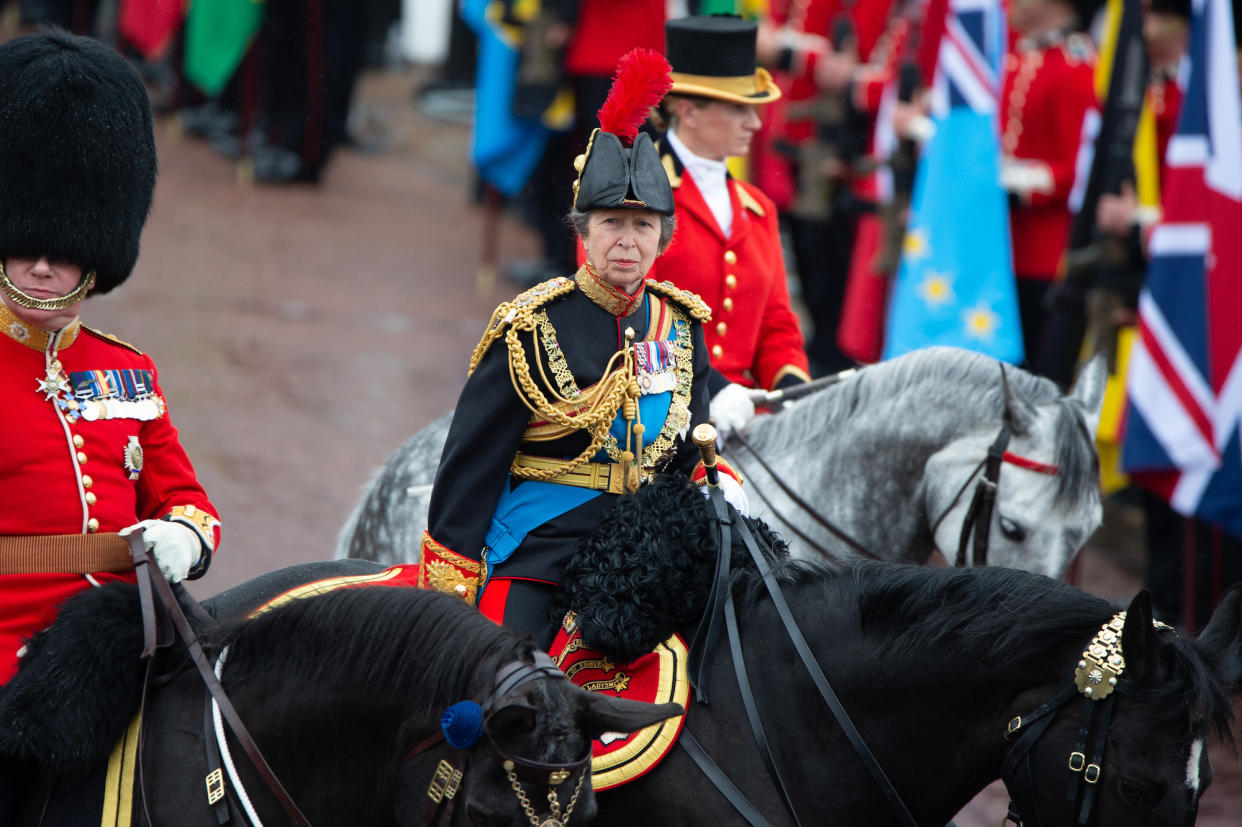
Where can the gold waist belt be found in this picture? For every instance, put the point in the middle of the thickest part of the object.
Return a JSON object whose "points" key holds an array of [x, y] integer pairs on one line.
{"points": [[598, 476], [65, 554]]}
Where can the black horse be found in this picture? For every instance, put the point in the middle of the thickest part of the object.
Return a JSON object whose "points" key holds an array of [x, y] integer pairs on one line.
{"points": [[344, 695], [941, 670]]}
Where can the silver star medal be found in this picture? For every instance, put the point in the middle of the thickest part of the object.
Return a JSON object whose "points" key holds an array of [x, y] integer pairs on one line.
{"points": [[133, 458]]}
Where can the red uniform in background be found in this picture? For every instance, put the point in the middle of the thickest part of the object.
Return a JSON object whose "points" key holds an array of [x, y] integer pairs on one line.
{"points": [[1049, 88], [753, 336], [113, 461]]}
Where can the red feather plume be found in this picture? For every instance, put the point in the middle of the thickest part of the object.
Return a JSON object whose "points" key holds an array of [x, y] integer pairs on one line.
{"points": [[642, 80]]}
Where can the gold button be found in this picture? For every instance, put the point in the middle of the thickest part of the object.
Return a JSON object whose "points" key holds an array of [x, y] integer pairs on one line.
{"points": [[92, 525], [730, 257], [721, 327], [728, 303], [730, 281], [81, 457], [90, 497], [87, 482], [717, 351], [78, 442]]}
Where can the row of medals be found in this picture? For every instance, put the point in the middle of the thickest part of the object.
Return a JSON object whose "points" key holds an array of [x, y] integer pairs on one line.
{"points": [[56, 386]]}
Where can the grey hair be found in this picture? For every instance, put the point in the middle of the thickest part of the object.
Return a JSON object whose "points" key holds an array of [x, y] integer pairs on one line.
{"points": [[580, 220]]}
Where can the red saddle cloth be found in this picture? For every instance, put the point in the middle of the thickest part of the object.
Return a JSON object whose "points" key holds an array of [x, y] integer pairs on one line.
{"points": [[657, 677]]}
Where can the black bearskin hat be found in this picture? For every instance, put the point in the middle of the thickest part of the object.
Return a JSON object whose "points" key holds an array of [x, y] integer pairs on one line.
{"points": [[621, 167], [77, 154]]}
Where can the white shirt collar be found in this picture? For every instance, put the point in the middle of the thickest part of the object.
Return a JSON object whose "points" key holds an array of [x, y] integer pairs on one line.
{"points": [[710, 177]]}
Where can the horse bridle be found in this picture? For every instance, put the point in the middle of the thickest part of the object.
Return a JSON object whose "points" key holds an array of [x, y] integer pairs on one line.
{"points": [[449, 772], [978, 519], [1098, 679]]}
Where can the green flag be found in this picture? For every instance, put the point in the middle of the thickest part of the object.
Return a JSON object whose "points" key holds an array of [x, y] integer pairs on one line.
{"points": [[217, 35]]}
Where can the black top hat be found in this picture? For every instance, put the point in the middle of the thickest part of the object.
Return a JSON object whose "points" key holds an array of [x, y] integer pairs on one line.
{"points": [[713, 56], [77, 154], [621, 167]]}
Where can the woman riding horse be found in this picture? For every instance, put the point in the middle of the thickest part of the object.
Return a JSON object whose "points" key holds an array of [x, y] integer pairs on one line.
{"points": [[601, 376]]}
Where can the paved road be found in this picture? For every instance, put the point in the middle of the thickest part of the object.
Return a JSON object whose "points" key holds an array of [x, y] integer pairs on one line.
{"points": [[304, 333]]}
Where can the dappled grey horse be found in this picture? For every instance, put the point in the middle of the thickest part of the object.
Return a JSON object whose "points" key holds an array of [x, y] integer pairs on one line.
{"points": [[888, 461]]}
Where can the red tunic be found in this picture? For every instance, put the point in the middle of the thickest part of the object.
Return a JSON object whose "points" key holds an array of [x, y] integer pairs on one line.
{"points": [[607, 29], [753, 337], [1049, 86], [67, 474]]}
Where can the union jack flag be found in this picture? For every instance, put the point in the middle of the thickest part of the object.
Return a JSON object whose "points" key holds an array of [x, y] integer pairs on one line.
{"points": [[1185, 380]]}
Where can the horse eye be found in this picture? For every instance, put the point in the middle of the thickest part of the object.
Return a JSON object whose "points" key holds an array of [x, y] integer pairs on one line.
{"points": [[1012, 530], [1141, 794]]}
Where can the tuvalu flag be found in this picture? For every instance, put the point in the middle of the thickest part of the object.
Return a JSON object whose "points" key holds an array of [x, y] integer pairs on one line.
{"points": [[955, 284], [505, 148], [1185, 379]]}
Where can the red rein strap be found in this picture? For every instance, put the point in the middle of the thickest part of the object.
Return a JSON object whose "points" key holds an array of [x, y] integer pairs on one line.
{"points": [[1030, 464]]}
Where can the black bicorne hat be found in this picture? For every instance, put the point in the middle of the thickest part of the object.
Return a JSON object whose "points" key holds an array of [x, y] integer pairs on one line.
{"points": [[621, 167], [77, 154], [713, 56]]}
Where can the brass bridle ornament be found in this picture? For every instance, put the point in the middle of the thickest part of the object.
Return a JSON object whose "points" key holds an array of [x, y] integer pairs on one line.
{"points": [[450, 771], [1096, 677]]}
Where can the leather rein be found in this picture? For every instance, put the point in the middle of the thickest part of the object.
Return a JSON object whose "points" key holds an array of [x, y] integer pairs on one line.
{"points": [[156, 619], [721, 603], [978, 519], [169, 609]]}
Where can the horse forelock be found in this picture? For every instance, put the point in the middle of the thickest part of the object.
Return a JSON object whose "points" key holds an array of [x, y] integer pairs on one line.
{"points": [[425, 648]]}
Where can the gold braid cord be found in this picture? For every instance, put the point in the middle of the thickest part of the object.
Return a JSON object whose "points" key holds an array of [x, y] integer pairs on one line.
{"points": [[508, 313], [598, 407]]}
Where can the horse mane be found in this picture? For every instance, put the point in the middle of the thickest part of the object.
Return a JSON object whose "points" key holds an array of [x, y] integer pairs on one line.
{"points": [[972, 380], [426, 647], [1009, 617]]}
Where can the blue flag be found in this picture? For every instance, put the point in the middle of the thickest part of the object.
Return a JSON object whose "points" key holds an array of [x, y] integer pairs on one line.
{"points": [[505, 149], [955, 284]]}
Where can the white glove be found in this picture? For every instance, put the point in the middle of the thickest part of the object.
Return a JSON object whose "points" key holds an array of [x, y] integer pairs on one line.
{"points": [[1025, 177], [174, 546], [731, 408], [733, 492]]}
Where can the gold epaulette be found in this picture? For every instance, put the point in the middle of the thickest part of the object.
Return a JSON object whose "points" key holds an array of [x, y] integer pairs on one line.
{"points": [[520, 309], [699, 311], [112, 339]]}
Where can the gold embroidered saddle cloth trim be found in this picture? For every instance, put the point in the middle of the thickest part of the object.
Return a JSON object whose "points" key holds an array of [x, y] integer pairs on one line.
{"points": [[64, 554], [598, 476]]}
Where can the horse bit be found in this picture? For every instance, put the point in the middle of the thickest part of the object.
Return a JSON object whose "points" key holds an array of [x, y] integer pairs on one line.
{"points": [[462, 727], [1096, 677]]}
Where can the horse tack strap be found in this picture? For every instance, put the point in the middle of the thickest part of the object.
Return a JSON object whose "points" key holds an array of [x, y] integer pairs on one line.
{"points": [[708, 631], [172, 609], [831, 527], [821, 682], [709, 768]]}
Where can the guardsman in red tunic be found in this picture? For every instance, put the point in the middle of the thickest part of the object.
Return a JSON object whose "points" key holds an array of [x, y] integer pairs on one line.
{"points": [[1049, 89], [728, 247], [89, 449]]}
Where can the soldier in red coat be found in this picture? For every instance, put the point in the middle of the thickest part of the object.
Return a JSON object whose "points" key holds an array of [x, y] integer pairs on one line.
{"points": [[1049, 89], [727, 248], [89, 449]]}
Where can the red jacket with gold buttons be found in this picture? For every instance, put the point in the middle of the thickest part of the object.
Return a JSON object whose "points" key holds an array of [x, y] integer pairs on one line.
{"points": [[753, 337], [1049, 87], [88, 447]]}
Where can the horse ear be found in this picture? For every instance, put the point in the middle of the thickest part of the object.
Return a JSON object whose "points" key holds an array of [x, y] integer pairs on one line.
{"points": [[606, 713], [1221, 640], [511, 720], [1088, 390], [1139, 643], [1019, 413]]}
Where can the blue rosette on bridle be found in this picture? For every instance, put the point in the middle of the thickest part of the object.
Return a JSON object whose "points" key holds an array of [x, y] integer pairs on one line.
{"points": [[462, 724]]}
